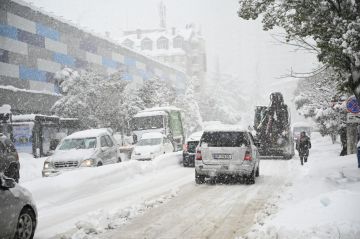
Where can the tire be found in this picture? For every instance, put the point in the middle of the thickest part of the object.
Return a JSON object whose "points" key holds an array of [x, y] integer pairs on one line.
{"points": [[26, 224], [119, 160], [199, 179], [99, 164], [257, 173], [251, 178]]}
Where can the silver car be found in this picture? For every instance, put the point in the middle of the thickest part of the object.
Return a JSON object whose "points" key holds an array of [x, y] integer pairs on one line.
{"points": [[18, 214], [88, 148], [226, 153]]}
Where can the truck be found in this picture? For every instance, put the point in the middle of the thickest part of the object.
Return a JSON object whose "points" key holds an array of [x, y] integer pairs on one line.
{"points": [[272, 127], [166, 120]]}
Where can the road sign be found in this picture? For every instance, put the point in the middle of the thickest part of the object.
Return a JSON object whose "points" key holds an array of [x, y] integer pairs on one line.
{"points": [[353, 118], [352, 105]]}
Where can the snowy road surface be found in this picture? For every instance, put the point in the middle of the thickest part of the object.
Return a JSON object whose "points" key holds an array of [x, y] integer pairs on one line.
{"points": [[208, 211], [159, 199]]}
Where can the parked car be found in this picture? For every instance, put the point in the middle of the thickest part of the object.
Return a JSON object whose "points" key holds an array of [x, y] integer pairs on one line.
{"points": [[9, 158], [189, 149], [227, 151], [88, 148], [151, 145], [17, 209]]}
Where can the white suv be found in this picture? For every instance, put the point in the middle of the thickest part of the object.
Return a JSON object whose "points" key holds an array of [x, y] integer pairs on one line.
{"points": [[226, 152]]}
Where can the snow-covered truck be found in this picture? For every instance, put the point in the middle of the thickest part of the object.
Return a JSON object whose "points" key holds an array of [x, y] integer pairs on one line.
{"points": [[166, 120], [273, 131]]}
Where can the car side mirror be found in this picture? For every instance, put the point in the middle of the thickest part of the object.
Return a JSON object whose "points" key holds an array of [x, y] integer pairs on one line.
{"points": [[7, 182]]}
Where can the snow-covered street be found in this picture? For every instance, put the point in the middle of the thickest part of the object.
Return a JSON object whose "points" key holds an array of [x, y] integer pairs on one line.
{"points": [[159, 199]]}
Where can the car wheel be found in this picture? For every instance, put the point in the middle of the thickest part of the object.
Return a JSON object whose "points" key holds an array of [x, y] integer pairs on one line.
{"points": [[199, 179], [257, 174], [119, 160], [251, 178], [99, 164], [26, 224]]}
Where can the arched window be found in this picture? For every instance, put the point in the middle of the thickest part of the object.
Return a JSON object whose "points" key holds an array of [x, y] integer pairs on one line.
{"points": [[178, 42], [163, 43], [146, 44], [128, 43]]}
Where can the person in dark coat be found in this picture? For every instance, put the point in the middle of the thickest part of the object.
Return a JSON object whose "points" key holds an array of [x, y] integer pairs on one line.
{"points": [[302, 146]]}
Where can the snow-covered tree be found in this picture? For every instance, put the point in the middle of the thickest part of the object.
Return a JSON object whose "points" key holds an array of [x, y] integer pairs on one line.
{"points": [[155, 92], [333, 24], [318, 97], [189, 104], [97, 100]]}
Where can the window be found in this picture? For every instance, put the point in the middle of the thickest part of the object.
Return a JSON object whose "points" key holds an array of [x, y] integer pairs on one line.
{"points": [[85, 143], [109, 141], [128, 43], [163, 43], [103, 142], [148, 142], [146, 44], [178, 42], [225, 139]]}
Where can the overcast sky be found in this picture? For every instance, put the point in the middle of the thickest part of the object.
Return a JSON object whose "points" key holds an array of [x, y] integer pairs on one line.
{"points": [[243, 48]]}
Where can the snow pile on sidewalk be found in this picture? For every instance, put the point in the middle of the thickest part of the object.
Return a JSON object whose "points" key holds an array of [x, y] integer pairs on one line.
{"points": [[30, 167], [322, 201]]}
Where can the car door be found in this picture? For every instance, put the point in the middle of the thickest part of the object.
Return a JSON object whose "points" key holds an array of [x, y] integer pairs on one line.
{"points": [[112, 149], [9, 205], [105, 152]]}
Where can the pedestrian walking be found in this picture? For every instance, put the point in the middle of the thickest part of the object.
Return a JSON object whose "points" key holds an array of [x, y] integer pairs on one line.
{"points": [[303, 145]]}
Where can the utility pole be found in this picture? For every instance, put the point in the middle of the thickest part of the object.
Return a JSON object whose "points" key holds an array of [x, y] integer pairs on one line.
{"points": [[162, 14]]}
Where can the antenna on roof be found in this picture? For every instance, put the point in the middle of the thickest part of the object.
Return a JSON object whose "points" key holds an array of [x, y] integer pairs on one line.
{"points": [[162, 14]]}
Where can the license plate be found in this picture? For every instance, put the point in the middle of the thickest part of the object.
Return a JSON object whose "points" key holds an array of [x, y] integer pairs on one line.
{"points": [[222, 156]]}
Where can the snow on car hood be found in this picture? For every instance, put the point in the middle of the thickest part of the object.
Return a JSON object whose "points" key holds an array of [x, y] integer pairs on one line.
{"points": [[72, 154], [143, 150]]}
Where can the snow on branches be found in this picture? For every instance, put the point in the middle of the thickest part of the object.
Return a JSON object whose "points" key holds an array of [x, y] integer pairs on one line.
{"points": [[334, 25]]}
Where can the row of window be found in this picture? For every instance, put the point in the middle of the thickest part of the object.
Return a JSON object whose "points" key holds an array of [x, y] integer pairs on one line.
{"points": [[161, 43]]}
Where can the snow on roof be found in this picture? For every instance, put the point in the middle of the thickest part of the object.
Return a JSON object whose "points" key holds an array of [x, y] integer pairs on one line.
{"points": [[89, 133], [5, 109], [195, 136], [162, 108], [224, 127], [148, 114], [30, 117], [152, 135], [14, 89]]}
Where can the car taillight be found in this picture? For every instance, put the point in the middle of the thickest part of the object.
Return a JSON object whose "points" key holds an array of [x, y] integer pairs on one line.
{"points": [[198, 155], [185, 147], [247, 156]]}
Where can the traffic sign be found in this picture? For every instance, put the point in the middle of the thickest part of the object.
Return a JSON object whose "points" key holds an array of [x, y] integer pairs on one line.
{"points": [[352, 105]]}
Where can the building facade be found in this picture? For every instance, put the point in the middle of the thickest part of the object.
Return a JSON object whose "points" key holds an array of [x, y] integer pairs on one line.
{"points": [[184, 48], [35, 45]]}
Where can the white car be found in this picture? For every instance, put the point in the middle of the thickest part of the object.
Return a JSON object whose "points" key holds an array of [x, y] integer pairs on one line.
{"points": [[151, 145], [226, 152], [88, 148]]}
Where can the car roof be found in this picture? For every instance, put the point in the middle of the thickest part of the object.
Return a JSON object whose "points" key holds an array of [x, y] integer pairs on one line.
{"points": [[226, 128], [152, 135], [89, 133]]}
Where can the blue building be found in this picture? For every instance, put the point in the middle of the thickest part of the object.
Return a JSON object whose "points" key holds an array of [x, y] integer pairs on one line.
{"points": [[35, 45]]}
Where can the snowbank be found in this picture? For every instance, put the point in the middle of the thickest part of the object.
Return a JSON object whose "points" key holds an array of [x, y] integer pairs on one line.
{"points": [[322, 201], [30, 167]]}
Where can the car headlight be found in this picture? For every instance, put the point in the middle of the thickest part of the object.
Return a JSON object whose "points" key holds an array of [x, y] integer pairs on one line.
{"points": [[47, 165], [87, 163]]}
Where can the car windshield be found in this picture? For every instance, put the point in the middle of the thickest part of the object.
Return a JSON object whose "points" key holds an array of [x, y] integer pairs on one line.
{"points": [[192, 146], [224, 139], [84, 143], [146, 142], [148, 122]]}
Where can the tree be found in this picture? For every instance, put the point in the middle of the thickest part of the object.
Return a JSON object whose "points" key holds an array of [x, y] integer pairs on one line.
{"points": [[333, 24], [155, 92], [96, 100], [318, 97], [187, 102]]}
